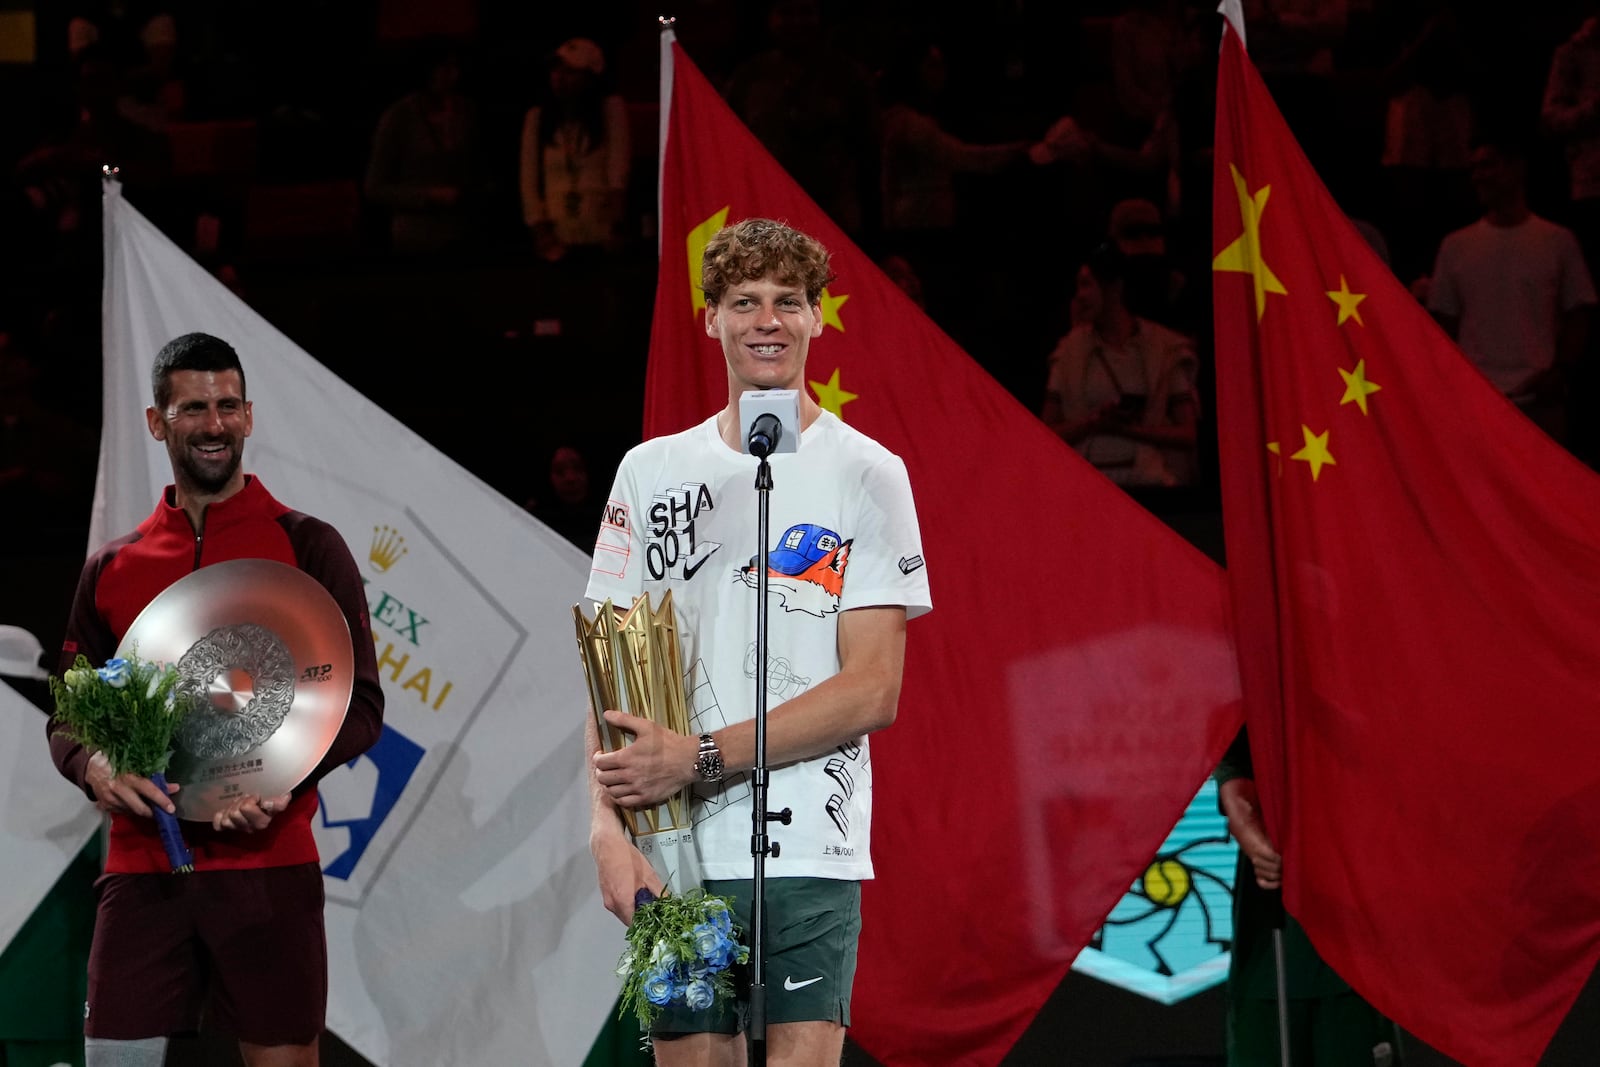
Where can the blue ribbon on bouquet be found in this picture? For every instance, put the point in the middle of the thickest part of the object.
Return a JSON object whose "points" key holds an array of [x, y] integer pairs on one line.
{"points": [[178, 853]]}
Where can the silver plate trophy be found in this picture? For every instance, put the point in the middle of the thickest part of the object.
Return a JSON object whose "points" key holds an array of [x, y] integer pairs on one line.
{"points": [[264, 652]]}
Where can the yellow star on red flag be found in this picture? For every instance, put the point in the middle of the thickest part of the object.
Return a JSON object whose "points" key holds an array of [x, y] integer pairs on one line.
{"points": [[695, 245], [831, 395], [1356, 386], [1244, 254], [1315, 452], [1348, 302], [830, 310]]}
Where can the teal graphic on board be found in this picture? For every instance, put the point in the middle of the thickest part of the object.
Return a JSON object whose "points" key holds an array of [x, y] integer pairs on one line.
{"points": [[1169, 937]]}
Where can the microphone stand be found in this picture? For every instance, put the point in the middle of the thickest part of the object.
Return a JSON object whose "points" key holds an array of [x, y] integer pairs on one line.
{"points": [[760, 847]]}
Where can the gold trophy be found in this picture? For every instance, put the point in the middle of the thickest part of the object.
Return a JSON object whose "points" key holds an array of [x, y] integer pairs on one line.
{"points": [[633, 663]]}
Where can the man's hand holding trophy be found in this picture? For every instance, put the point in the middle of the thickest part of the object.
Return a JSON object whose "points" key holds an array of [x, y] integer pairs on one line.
{"points": [[633, 663]]}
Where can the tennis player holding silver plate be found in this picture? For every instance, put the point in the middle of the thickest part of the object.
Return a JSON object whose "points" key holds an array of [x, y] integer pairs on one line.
{"points": [[226, 584]]}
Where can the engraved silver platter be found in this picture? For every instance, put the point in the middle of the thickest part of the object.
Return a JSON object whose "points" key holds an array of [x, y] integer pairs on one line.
{"points": [[264, 652]]}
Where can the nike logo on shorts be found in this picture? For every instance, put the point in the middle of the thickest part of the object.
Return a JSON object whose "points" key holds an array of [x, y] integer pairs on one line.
{"points": [[790, 984]]}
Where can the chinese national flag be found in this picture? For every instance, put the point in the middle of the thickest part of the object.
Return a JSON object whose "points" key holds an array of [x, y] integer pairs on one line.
{"points": [[1074, 684], [1416, 581]]}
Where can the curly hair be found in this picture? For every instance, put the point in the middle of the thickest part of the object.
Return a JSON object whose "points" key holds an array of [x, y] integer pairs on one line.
{"points": [[761, 248]]}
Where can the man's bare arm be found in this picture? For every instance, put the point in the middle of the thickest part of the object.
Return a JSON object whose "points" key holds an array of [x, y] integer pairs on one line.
{"points": [[864, 696]]}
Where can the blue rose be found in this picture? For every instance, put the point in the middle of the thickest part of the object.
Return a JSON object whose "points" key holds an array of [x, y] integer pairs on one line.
{"points": [[717, 915], [658, 988], [699, 994], [728, 951], [663, 956], [115, 673], [707, 939]]}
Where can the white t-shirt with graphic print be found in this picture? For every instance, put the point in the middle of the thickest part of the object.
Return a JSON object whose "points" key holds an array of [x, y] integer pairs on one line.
{"points": [[843, 534]]}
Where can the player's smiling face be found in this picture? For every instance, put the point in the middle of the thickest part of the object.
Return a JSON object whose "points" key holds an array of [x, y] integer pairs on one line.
{"points": [[204, 425], [766, 328]]}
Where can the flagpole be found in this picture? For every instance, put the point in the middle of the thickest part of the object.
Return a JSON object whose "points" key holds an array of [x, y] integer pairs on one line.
{"points": [[1282, 978], [1233, 12], [664, 120]]}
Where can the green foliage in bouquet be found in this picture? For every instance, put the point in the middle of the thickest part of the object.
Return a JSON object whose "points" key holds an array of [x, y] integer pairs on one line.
{"points": [[680, 949], [129, 709]]}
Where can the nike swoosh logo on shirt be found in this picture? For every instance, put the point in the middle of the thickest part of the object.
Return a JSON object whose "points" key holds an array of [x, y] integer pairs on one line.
{"points": [[691, 569], [791, 985]]}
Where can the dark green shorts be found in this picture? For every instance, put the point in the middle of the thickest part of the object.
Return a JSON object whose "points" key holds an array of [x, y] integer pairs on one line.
{"points": [[1340, 1029], [813, 925]]}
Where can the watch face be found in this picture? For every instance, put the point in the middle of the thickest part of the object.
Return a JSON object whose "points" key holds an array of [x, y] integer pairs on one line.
{"points": [[709, 763]]}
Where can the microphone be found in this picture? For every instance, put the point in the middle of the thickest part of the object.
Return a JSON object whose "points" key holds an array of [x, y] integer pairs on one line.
{"points": [[773, 420], [765, 433]]}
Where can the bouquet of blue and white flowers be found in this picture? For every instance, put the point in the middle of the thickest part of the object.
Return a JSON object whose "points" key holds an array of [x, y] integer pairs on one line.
{"points": [[129, 710], [680, 949]]}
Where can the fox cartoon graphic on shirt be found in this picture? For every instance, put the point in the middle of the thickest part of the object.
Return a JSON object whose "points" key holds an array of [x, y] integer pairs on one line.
{"points": [[806, 569]]}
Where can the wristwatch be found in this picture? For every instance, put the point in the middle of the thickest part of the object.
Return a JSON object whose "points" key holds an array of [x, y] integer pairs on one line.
{"points": [[708, 764]]}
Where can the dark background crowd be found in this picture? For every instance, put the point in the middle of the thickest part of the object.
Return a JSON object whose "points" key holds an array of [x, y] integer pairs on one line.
{"points": [[452, 205], [358, 172]]}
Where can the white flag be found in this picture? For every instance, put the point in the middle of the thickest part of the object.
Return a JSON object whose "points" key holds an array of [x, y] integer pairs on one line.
{"points": [[44, 821], [464, 922]]}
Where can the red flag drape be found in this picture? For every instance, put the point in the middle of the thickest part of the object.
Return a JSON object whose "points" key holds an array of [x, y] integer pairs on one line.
{"points": [[1415, 572], [1074, 684]]}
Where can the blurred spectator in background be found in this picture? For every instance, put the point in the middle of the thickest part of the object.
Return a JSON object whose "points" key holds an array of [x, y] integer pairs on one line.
{"points": [[1154, 288], [568, 504], [1571, 111], [61, 176], [1427, 137], [1150, 49], [426, 167], [921, 158], [1525, 336], [81, 33], [1428, 117], [1295, 44], [1121, 389], [575, 156], [1156, 53], [904, 276], [47, 461], [811, 105], [156, 94], [1295, 38], [110, 26]]}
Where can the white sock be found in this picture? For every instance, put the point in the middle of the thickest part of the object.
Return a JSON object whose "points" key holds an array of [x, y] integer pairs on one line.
{"points": [[145, 1052]]}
